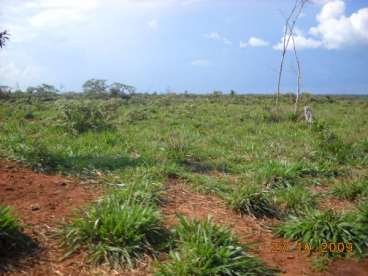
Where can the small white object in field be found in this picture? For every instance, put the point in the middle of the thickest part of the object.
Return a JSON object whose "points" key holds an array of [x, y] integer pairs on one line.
{"points": [[308, 114]]}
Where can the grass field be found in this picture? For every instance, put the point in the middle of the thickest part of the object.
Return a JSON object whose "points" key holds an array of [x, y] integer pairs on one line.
{"points": [[308, 184]]}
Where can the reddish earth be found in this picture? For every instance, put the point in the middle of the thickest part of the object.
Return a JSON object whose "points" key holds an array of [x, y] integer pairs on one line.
{"points": [[332, 202], [42, 202], [182, 200]]}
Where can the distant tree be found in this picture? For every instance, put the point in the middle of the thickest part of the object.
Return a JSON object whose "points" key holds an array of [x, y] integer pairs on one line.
{"points": [[4, 36], [95, 87], [46, 89], [122, 90]]}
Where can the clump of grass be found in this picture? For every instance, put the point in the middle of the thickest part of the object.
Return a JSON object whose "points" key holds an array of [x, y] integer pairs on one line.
{"points": [[276, 174], [351, 191], [79, 117], [11, 237], [38, 155], [140, 192], [252, 200], [179, 146], [204, 248], [295, 200], [321, 263], [318, 227], [9, 228], [332, 147], [114, 232]]}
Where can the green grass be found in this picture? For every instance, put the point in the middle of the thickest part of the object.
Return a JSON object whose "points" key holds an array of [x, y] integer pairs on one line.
{"points": [[12, 241], [235, 147], [318, 227], [253, 200], [352, 190], [294, 200], [116, 231], [204, 248], [9, 228]]}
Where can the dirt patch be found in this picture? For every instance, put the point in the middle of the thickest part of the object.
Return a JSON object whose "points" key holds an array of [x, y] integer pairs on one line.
{"points": [[331, 202], [42, 202], [248, 229]]}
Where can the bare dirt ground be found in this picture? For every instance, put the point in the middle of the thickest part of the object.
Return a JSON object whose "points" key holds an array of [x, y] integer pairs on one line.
{"points": [[182, 200], [42, 202]]}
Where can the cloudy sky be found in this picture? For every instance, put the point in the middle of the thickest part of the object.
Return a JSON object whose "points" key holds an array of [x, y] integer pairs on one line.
{"points": [[177, 45]]}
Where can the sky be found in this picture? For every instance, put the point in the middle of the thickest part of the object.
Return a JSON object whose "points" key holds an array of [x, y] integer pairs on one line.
{"points": [[184, 45]]}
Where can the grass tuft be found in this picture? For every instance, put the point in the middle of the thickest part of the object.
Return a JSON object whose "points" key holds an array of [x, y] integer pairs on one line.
{"points": [[116, 231], [319, 227], [252, 200], [294, 200], [351, 191], [204, 248]]}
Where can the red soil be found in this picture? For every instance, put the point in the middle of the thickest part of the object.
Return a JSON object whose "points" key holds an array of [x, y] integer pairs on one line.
{"points": [[42, 202], [182, 200]]}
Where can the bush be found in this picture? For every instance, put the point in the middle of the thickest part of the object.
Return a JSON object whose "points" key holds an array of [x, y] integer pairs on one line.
{"points": [[252, 200], [115, 232], [84, 116], [204, 248], [318, 227]]}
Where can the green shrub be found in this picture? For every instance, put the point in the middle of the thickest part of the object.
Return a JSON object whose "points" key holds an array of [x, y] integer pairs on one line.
{"points": [[79, 117], [115, 232], [318, 227], [252, 200], [295, 200], [204, 248]]}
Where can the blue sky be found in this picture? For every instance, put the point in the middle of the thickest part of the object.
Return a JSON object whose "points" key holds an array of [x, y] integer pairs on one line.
{"points": [[178, 45]]}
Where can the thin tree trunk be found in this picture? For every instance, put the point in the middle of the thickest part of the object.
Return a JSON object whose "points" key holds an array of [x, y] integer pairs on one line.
{"points": [[288, 34], [299, 77]]}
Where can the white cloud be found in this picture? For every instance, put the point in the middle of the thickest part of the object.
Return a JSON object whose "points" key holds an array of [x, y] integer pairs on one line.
{"points": [[200, 62], [254, 42], [218, 37], [337, 30], [153, 24], [301, 42], [18, 69]]}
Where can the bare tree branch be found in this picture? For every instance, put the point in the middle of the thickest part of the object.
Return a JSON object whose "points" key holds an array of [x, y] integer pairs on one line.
{"points": [[289, 35]]}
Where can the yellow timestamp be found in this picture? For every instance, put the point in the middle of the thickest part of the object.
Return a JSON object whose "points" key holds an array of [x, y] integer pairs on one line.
{"points": [[306, 248]]}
